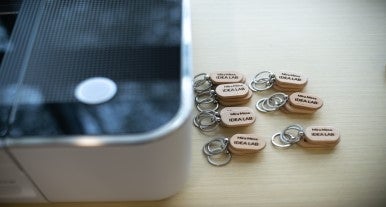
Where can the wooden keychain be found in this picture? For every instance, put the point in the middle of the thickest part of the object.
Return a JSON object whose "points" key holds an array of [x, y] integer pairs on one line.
{"points": [[301, 103], [312, 137], [227, 117], [230, 90], [241, 144], [320, 137], [231, 94], [204, 82], [282, 81], [219, 151]]}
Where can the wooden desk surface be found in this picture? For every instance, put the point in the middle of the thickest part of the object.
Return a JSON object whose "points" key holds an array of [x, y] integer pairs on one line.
{"points": [[341, 47]]}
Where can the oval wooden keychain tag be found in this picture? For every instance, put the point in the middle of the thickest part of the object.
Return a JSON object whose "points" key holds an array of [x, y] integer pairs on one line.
{"points": [[286, 79], [225, 77], [232, 90], [305, 101], [237, 116], [322, 135], [245, 144]]}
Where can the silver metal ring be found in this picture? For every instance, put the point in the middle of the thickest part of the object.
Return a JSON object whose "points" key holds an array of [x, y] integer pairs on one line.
{"points": [[220, 145], [268, 107], [258, 105], [204, 114], [206, 100], [220, 159], [285, 145], [287, 137], [262, 81], [254, 86], [201, 82], [201, 106], [200, 77], [272, 103], [281, 97], [284, 138], [269, 74], [201, 114], [205, 96], [211, 117], [262, 106]]}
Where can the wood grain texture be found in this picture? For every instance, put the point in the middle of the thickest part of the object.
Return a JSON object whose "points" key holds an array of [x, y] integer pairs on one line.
{"points": [[340, 46]]}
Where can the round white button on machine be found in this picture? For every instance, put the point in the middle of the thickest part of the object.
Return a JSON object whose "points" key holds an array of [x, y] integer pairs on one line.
{"points": [[95, 90]]}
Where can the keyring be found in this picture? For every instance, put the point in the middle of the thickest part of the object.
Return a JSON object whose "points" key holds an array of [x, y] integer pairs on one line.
{"points": [[219, 151], [259, 105], [220, 144], [282, 81], [208, 120], [201, 82], [284, 145], [205, 96], [300, 103], [272, 103], [206, 100], [287, 138], [312, 137], [266, 80], [220, 159], [292, 138], [216, 151], [278, 99]]}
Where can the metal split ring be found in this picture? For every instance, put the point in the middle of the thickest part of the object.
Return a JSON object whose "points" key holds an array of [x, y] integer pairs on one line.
{"points": [[201, 83], [272, 103], [289, 136], [220, 159], [262, 81], [279, 144], [292, 134], [215, 146], [207, 120], [216, 151], [206, 100]]}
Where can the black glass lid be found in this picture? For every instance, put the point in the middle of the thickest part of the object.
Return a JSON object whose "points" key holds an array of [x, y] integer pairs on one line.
{"points": [[58, 49]]}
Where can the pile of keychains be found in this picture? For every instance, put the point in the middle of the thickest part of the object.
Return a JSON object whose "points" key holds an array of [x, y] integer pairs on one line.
{"points": [[224, 90]]}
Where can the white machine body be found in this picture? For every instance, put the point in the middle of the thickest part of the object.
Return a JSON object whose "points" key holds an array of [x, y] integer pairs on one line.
{"points": [[81, 162]]}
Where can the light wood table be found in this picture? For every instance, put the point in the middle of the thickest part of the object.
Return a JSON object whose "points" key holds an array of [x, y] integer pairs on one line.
{"points": [[341, 47]]}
